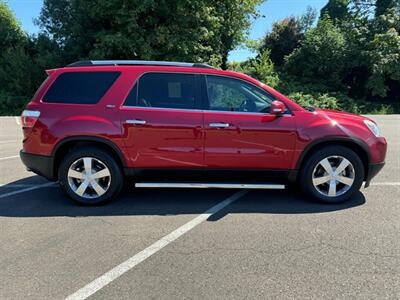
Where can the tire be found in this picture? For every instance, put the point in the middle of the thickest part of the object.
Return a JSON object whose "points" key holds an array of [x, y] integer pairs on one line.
{"points": [[72, 174], [317, 182]]}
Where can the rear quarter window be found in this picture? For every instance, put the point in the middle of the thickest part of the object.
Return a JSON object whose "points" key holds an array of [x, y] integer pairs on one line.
{"points": [[80, 87]]}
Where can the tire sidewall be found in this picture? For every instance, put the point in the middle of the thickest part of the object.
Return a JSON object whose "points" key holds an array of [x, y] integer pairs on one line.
{"points": [[115, 171], [306, 173]]}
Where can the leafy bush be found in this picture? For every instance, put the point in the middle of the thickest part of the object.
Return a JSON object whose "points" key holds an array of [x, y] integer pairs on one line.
{"points": [[316, 100], [342, 102], [262, 68], [11, 105], [319, 95], [367, 107]]}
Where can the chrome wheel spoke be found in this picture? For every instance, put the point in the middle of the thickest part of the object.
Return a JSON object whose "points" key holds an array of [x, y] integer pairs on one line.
{"points": [[101, 174], [321, 180], [332, 188], [99, 190], [345, 180], [87, 161], [327, 166], [76, 174], [343, 165], [82, 188]]}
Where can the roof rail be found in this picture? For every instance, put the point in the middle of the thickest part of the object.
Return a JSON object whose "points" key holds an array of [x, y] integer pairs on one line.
{"points": [[87, 63]]}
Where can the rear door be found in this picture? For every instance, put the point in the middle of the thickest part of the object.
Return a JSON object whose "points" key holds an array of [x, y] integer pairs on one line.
{"points": [[240, 132], [162, 122]]}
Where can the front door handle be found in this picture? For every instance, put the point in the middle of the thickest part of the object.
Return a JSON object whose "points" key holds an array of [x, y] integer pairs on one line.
{"points": [[219, 125], [136, 122]]}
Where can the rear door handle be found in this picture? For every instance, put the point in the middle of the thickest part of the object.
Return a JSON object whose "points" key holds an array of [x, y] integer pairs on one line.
{"points": [[135, 122], [219, 125]]}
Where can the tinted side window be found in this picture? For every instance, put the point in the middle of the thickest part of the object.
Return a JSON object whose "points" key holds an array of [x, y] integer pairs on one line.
{"points": [[229, 94], [166, 90], [80, 87], [131, 100]]}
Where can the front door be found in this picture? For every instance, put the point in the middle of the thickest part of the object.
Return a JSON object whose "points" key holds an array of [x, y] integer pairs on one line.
{"points": [[161, 123], [240, 132]]}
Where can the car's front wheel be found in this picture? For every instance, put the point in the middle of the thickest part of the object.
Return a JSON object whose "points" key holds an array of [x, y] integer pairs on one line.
{"points": [[90, 176], [332, 174]]}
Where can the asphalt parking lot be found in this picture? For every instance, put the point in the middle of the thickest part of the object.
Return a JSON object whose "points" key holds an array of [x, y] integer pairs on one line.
{"points": [[214, 244]]}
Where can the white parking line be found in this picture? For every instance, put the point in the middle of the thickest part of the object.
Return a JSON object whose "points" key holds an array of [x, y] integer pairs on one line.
{"points": [[127, 265], [9, 141], [9, 157], [35, 187], [17, 185], [385, 183]]}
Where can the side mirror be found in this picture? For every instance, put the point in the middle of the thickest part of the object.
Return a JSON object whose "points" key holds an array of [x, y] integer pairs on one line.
{"points": [[277, 108]]}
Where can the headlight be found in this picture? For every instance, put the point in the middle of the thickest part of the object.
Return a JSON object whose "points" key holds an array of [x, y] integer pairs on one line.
{"points": [[373, 127]]}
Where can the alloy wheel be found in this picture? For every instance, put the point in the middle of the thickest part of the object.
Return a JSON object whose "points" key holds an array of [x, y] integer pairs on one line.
{"points": [[333, 176], [88, 177]]}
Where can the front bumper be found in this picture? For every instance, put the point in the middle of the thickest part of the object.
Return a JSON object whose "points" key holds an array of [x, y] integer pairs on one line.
{"points": [[373, 169], [39, 164]]}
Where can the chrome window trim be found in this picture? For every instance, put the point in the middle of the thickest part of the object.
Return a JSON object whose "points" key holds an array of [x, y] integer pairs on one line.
{"points": [[162, 108], [206, 110]]}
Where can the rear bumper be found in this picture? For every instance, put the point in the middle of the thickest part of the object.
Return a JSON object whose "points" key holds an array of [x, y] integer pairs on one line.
{"points": [[39, 164], [373, 169]]}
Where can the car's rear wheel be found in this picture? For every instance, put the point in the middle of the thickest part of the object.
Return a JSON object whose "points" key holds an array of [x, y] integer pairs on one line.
{"points": [[332, 174], [90, 176]]}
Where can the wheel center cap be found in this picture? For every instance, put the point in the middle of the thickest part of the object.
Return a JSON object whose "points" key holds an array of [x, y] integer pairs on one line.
{"points": [[88, 176]]}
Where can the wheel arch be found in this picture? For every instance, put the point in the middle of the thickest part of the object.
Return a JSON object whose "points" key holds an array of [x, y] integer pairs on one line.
{"points": [[358, 146], [67, 144]]}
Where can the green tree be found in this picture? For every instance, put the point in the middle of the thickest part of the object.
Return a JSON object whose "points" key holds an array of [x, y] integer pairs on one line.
{"points": [[10, 31], [25, 57], [361, 8], [383, 6], [336, 9], [261, 68], [246, 67], [307, 19], [383, 55], [321, 57], [234, 20], [284, 37], [14, 60], [264, 69], [199, 31], [45, 54]]}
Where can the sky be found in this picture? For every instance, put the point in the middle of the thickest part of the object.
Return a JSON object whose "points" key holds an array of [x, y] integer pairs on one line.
{"points": [[272, 10]]}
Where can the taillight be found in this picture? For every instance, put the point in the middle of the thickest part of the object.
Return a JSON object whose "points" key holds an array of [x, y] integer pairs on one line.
{"points": [[29, 118]]}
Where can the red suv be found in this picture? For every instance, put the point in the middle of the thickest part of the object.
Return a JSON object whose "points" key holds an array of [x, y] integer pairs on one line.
{"points": [[163, 124]]}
